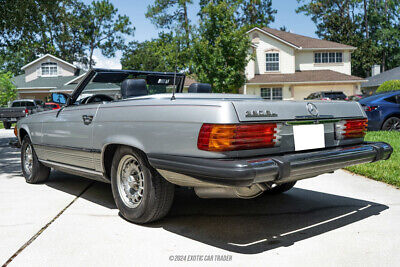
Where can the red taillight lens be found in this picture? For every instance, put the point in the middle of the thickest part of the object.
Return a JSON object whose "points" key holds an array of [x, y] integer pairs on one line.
{"points": [[228, 137], [26, 111], [346, 129], [372, 108]]}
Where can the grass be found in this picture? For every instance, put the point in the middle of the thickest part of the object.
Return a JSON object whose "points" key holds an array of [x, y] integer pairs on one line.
{"points": [[387, 171]]}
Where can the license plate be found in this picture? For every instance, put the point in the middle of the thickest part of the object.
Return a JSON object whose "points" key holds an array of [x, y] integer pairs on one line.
{"points": [[309, 136]]}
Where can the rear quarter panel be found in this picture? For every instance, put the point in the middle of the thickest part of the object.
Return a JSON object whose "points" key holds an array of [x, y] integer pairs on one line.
{"points": [[159, 125]]}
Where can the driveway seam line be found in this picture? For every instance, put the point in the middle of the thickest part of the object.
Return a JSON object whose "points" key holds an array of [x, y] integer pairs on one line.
{"points": [[33, 238]]}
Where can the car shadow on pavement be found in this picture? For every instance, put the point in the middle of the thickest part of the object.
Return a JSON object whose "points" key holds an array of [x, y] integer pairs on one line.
{"points": [[99, 193], [238, 225], [264, 223]]}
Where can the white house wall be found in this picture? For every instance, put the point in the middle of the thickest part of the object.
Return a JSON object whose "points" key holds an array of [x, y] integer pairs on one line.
{"points": [[305, 61], [32, 72], [266, 44]]}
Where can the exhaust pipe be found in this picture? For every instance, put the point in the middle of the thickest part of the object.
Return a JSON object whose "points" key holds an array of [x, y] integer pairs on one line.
{"points": [[231, 192]]}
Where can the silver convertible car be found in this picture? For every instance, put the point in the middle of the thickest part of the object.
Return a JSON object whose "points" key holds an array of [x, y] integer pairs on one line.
{"points": [[143, 134]]}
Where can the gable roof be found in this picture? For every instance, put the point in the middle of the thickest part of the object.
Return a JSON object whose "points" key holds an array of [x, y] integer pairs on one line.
{"points": [[376, 80], [308, 76], [302, 42], [48, 55]]}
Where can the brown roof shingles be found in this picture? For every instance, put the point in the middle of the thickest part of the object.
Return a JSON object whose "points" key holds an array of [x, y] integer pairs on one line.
{"points": [[304, 41], [304, 76]]}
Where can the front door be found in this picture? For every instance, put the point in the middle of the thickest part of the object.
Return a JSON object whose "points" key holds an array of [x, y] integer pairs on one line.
{"points": [[67, 135]]}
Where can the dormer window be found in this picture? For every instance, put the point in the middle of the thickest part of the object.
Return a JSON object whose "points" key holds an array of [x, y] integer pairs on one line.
{"points": [[272, 61], [49, 69]]}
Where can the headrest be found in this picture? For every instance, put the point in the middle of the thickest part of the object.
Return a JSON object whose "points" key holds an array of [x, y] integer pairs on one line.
{"points": [[133, 87], [200, 88]]}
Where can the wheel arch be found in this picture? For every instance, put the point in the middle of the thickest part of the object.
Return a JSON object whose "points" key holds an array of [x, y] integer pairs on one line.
{"points": [[397, 115], [108, 150], [23, 131]]}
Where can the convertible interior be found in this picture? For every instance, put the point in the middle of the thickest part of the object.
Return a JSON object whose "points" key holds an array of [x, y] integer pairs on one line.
{"points": [[111, 85]]}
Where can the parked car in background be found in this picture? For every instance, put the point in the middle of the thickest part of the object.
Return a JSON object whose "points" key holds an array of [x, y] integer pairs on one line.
{"points": [[51, 106], [355, 97], [144, 140], [19, 109], [383, 111], [326, 95]]}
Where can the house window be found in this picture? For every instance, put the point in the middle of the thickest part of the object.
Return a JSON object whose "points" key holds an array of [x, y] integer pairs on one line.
{"points": [[272, 62], [49, 69], [328, 57], [271, 93]]}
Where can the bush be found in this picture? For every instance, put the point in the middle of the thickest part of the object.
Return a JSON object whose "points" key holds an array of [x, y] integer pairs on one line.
{"points": [[389, 86], [8, 91]]}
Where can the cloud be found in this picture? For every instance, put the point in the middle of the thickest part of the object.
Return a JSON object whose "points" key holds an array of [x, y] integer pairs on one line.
{"points": [[107, 63]]}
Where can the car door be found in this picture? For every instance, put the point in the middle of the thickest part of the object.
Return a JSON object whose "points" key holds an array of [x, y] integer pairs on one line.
{"points": [[67, 135]]}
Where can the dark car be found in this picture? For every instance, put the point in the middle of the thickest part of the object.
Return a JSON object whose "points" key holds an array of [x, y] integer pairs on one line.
{"points": [[383, 111], [355, 97], [327, 95]]}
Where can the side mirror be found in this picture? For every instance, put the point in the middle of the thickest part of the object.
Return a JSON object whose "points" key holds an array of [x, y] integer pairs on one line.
{"points": [[60, 98]]}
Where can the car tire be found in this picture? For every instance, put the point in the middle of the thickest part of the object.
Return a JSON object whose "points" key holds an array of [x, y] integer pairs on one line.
{"points": [[279, 189], [33, 170], [141, 194], [391, 124], [7, 125]]}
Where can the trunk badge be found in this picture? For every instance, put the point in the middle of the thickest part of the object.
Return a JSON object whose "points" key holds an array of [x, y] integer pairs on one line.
{"points": [[260, 113]]}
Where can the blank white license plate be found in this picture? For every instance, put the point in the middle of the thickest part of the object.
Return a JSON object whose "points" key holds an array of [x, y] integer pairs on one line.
{"points": [[308, 136]]}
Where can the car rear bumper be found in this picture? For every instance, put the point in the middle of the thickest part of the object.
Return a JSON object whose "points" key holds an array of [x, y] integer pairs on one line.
{"points": [[277, 169]]}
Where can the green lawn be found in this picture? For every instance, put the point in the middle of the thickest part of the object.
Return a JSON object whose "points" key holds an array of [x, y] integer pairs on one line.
{"points": [[387, 171]]}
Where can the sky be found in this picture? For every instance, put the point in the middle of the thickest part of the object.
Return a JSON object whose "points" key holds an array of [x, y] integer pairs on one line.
{"points": [[145, 30]]}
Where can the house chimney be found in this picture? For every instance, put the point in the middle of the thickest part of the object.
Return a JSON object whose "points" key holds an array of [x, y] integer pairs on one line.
{"points": [[376, 69]]}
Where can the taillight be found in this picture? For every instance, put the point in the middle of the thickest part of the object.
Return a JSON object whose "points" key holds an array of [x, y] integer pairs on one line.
{"points": [[16, 131], [355, 128], [26, 111], [228, 137], [370, 108]]}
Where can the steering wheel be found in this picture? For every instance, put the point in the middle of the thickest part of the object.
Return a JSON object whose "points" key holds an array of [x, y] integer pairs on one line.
{"points": [[98, 98]]}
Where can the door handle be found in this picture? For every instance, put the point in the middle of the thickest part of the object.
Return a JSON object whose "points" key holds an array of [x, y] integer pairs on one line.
{"points": [[87, 119]]}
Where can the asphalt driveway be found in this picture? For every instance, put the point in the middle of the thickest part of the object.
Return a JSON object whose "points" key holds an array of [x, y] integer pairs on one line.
{"points": [[334, 219]]}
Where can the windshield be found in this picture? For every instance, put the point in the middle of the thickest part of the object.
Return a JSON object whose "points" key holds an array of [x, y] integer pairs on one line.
{"points": [[117, 85], [335, 95]]}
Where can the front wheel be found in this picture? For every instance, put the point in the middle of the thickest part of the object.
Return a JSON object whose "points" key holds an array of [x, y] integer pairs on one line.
{"points": [[141, 194], [33, 170], [391, 124], [7, 125]]}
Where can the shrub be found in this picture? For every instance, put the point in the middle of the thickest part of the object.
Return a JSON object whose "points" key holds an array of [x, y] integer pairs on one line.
{"points": [[389, 86], [8, 91]]}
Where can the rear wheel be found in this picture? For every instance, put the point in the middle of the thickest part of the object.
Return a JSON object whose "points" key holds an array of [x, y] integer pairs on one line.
{"points": [[141, 194], [391, 124], [33, 171], [7, 125], [280, 188]]}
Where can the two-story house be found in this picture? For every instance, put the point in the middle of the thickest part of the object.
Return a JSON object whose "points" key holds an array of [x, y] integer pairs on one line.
{"points": [[292, 66], [45, 75]]}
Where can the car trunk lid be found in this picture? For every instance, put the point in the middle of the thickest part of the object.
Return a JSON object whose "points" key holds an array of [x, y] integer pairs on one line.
{"points": [[263, 110]]}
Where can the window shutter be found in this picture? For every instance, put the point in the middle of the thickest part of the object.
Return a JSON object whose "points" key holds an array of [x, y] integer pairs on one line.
{"points": [[38, 71]]}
